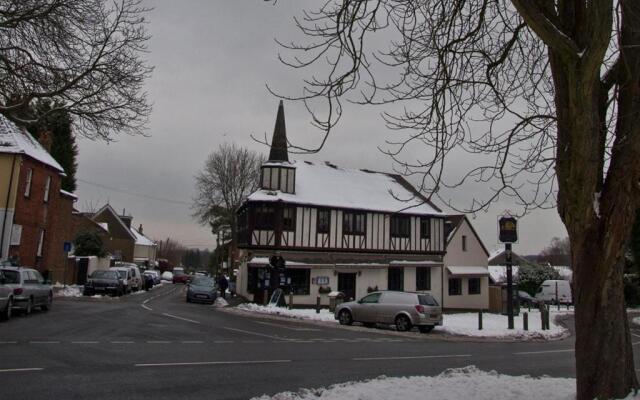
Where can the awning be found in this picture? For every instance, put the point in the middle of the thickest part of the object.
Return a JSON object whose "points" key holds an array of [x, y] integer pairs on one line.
{"points": [[468, 271]]}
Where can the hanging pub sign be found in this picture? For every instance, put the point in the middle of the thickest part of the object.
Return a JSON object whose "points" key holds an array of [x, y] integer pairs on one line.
{"points": [[277, 262], [508, 229]]}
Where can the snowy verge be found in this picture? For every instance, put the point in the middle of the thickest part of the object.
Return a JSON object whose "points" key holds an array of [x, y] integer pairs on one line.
{"points": [[302, 313], [69, 291], [452, 384], [220, 302], [495, 326]]}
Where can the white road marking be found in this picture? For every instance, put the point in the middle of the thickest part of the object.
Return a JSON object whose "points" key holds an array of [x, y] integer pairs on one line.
{"points": [[544, 352], [158, 341], [287, 327], [9, 342], [44, 342], [253, 333], [146, 307], [21, 369], [410, 357], [122, 342], [85, 342], [212, 363], [180, 318]]}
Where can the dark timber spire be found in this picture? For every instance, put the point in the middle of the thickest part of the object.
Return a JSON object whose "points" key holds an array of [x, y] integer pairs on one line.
{"points": [[279, 142]]}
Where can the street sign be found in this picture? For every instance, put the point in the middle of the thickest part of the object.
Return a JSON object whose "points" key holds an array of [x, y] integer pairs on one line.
{"points": [[508, 229], [66, 247]]}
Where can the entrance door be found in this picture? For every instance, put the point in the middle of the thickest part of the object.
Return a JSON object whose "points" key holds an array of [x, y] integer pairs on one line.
{"points": [[83, 266], [347, 285], [395, 279]]}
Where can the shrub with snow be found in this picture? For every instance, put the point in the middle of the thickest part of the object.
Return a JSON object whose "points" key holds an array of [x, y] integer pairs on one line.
{"points": [[167, 276]]}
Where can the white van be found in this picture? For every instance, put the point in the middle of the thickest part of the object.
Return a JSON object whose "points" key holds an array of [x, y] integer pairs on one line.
{"points": [[547, 292], [137, 281]]}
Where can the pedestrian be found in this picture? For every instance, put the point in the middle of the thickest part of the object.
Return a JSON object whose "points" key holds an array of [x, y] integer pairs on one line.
{"points": [[223, 284]]}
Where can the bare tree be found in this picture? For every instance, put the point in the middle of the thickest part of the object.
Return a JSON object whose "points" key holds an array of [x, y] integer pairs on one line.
{"points": [[545, 95], [170, 250], [230, 174], [84, 54], [557, 253]]}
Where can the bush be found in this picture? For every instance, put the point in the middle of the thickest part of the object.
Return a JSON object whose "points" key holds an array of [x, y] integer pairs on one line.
{"points": [[89, 244], [530, 277]]}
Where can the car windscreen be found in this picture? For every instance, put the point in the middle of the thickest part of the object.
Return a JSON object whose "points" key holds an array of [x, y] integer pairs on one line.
{"points": [[178, 272], [11, 276], [427, 300], [104, 275], [203, 281], [122, 273]]}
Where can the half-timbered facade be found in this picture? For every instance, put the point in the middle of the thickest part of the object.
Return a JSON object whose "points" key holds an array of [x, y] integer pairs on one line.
{"points": [[338, 229]]}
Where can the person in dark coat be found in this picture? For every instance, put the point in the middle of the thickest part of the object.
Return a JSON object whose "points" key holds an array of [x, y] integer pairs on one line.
{"points": [[223, 284]]}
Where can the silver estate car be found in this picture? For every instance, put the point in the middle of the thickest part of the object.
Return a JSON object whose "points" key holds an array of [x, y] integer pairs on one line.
{"points": [[29, 289], [402, 309], [6, 299]]}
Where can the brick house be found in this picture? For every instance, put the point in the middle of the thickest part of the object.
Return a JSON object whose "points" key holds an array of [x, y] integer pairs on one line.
{"points": [[35, 213]]}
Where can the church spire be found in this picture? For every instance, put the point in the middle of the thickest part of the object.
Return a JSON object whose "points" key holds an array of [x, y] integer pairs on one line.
{"points": [[279, 142]]}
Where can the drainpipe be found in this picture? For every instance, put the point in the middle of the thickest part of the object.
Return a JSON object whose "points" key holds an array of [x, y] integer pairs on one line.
{"points": [[6, 207]]}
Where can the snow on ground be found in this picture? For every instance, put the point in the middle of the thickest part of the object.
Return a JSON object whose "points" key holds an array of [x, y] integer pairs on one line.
{"points": [[452, 384], [69, 291], [303, 313], [220, 302], [495, 326]]}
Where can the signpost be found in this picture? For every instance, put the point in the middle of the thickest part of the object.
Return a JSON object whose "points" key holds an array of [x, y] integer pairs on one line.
{"points": [[66, 247], [508, 234]]}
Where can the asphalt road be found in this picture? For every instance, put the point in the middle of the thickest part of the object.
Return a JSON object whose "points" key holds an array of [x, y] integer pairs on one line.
{"points": [[156, 346]]}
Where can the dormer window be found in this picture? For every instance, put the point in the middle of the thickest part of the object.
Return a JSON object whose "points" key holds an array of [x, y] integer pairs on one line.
{"points": [[276, 177]]}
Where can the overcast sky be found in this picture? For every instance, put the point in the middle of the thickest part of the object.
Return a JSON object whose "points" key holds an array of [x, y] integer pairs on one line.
{"points": [[212, 61]]}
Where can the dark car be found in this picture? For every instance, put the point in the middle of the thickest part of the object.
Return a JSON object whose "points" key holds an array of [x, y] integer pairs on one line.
{"points": [[104, 282], [202, 289]]}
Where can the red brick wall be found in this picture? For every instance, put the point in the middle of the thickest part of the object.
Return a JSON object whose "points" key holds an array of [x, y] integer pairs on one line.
{"points": [[34, 215]]}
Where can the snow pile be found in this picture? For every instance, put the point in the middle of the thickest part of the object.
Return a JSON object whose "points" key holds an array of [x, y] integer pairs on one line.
{"points": [[69, 291], [495, 325], [220, 302], [167, 276], [636, 321], [303, 313], [453, 384]]}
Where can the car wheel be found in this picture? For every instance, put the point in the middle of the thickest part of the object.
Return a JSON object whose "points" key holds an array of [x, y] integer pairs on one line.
{"points": [[6, 314], [345, 317], [425, 328], [47, 306], [403, 323]]}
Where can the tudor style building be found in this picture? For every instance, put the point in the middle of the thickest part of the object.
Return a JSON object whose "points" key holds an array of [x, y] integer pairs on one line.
{"points": [[337, 229]]}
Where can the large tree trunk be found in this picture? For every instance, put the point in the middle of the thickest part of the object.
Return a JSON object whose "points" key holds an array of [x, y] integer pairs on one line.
{"points": [[604, 355]]}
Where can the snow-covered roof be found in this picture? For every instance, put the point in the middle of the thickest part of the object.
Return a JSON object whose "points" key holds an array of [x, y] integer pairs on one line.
{"points": [[495, 252], [141, 239], [468, 270], [14, 140], [332, 186], [65, 193], [498, 273]]}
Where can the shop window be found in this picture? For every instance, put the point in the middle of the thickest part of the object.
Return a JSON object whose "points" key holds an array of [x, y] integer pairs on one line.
{"points": [[395, 278], [474, 285], [288, 218], [324, 221], [299, 280], [423, 278], [353, 223], [400, 226], [455, 286]]}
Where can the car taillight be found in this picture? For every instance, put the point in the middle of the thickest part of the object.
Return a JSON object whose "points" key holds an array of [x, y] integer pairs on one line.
{"points": [[420, 309], [17, 291]]}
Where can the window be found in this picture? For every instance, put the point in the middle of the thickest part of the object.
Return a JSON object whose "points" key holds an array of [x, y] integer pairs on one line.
{"points": [[40, 243], [324, 221], [353, 223], [464, 243], [46, 189], [300, 280], [400, 226], [395, 278], [266, 178], [264, 218], [371, 299], [455, 286], [474, 285], [425, 228], [27, 185], [288, 219], [423, 278]]}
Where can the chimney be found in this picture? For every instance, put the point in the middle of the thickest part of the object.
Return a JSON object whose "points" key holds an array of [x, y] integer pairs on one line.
{"points": [[140, 229], [46, 140], [279, 141]]}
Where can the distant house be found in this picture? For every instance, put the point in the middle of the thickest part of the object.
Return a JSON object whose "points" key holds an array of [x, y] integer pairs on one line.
{"points": [[466, 280], [35, 213]]}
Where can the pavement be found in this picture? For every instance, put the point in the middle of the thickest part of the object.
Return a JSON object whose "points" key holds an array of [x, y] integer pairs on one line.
{"points": [[156, 346]]}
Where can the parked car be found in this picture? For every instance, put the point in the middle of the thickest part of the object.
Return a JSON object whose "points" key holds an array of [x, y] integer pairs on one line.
{"points": [[525, 299], [179, 275], [29, 289], [126, 274], [104, 282], [137, 281], [547, 292], [402, 309], [6, 299], [202, 289], [155, 275]]}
